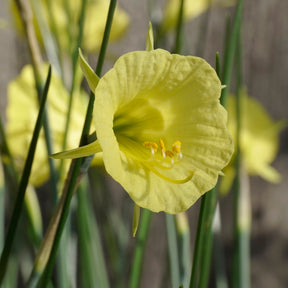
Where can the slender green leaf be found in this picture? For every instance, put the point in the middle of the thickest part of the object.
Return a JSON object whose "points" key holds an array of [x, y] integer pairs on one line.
{"points": [[93, 270]]}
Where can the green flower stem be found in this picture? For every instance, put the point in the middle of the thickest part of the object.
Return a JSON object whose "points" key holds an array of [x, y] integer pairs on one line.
{"points": [[69, 19], [55, 34], [2, 215], [173, 250], [218, 249], [142, 236], [67, 254], [52, 169], [183, 236], [242, 213], [93, 271], [75, 167], [27, 18], [74, 69], [230, 52], [202, 228], [207, 240], [48, 39], [179, 30], [243, 232], [105, 38], [23, 183]]}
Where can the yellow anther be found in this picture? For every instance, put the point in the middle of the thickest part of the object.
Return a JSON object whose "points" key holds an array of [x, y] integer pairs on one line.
{"points": [[176, 147], [162, 147], [152, 145], [169, 153]]}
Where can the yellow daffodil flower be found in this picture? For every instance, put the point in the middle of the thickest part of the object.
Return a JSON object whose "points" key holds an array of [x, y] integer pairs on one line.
{"points": [[192, 8], [22, 110], [259, 140], [160, 128], [94, 24]]}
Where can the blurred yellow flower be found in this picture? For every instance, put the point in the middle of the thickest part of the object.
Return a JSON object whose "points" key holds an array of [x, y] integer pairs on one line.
{"points": [[259, 140], [22, 110], [67, 22], [192, 8], [161, 130]]}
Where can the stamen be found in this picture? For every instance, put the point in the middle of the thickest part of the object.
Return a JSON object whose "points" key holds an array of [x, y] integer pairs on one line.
{"points": [[175, 156], [176, 148], [175, 181], [170, 154], [152, 145]]}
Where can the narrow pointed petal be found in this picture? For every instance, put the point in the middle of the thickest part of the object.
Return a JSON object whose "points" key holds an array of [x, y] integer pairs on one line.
{"points": [[150, 38], [88, 72], [82, 151], [136, 217]]}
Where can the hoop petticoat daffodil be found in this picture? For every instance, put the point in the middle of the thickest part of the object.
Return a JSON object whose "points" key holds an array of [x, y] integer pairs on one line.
{"points": [[65, 22], [160, 128], [192, 8], [22, 110], [259, 140]]}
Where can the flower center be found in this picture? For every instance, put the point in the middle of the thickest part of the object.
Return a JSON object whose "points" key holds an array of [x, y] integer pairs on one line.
{"points": [[165, 159]]}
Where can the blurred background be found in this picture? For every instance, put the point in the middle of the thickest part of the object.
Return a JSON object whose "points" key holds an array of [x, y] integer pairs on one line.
{"points": [[265, 49]]}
